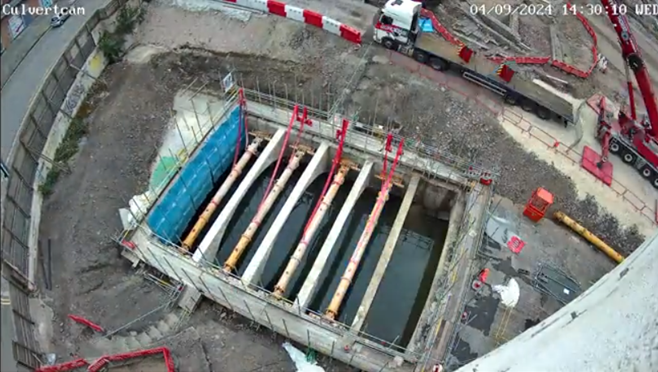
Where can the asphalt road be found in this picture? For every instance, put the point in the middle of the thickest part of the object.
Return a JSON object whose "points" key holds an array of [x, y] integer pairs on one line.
{"points": [[23, 85]]}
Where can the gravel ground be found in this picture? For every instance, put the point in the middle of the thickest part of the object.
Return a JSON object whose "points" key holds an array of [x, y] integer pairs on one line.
{"points": [[91, 280], [225, 336], [535, 32], [443, 118]]}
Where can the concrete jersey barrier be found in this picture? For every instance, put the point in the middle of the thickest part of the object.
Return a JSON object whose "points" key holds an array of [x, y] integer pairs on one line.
{"points": [[301, 15]]}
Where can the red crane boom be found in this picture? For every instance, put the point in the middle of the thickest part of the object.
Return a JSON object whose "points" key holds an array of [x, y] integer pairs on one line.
{"points": [[633, 58]]}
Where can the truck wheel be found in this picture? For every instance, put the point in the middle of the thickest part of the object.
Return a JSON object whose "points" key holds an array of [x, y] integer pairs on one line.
{"points": [[543, 113], [511, 99], [614, 146], [528, 105], [655, 182], [388, 43], [420, 56], [438, 64], [628, 157], [647, 172]]}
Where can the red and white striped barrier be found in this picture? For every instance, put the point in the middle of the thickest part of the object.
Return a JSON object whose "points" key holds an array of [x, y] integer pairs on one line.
{"points": [[302, 15]]}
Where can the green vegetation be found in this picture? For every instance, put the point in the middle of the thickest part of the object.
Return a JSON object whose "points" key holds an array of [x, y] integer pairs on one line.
{"points": [[111, 43], [66, 150]]}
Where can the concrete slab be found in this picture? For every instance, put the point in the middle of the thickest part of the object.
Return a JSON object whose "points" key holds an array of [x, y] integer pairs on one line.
{"points": [[210, 243], [310, 284], [385, 257], [316, 166]]}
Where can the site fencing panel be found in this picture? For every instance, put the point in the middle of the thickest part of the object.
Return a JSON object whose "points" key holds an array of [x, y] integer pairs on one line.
{"points": [[23, 163]]}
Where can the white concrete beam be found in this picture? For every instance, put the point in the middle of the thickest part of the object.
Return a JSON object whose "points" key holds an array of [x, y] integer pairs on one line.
{"points": [[210, 244], [310, 284], [387, 252], [316, 166]]}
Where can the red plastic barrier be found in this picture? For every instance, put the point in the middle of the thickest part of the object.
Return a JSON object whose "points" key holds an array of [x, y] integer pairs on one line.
{"points": [[350, 34], [440, 28], [99, 364], [68, 366], [85, 322], [445, 33], [313, 18], [276, 7], [103, 361]]}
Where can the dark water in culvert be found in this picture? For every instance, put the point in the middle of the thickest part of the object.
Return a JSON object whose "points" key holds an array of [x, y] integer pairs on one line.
{"points": [[342, 252], [291, 234], [247, 209], [298, 222], [404, 288]]}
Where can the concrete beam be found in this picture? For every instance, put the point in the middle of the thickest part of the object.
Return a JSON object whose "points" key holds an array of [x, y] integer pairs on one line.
{"points": [[387, 252], [317, 166], [310, 284], [210, 244]]}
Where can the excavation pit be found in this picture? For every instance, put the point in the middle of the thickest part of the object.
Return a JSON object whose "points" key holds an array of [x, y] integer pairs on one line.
{"points": [[429, 225]]}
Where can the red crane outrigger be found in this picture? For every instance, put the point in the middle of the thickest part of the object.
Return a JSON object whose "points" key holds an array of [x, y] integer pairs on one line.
{"points": [[636, 142]]}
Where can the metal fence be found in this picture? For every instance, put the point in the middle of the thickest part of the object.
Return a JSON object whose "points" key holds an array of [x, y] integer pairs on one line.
{"points": [[24, 345], [31, 141], [23, 164]]}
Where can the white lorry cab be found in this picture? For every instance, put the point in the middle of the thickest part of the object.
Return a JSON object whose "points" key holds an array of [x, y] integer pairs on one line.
{"points": [[397, 23], [397, 26]]}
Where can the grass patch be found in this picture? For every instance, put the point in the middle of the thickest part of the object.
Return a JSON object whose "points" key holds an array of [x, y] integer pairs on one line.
{"points": [[66, 150]]}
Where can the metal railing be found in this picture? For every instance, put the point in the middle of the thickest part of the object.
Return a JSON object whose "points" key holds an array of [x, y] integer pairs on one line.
{"points": [[326, 130], [420, 157]]}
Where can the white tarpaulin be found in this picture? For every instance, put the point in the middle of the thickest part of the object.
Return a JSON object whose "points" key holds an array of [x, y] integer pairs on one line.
{"points": [[509, 293], [300, 361], [138, 206]]}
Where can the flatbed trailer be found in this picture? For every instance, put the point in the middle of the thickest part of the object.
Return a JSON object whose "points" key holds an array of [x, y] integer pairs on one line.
{"points": [[440, 54]]}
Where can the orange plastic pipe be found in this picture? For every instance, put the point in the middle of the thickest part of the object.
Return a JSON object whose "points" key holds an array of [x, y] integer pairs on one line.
{"points": [[297, 256], [353, 265], [246, 237], [221, 193]]}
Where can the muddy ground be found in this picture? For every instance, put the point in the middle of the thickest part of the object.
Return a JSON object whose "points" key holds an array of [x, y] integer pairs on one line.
{"points": [[132, 109]]}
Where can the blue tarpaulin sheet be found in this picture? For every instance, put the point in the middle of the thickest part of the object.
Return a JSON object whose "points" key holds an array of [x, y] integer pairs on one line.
{"points": [[426, 25], [179, 203]]}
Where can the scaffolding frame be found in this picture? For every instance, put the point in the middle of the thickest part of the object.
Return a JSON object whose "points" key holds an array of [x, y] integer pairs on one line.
{"points": [[416, 159]]}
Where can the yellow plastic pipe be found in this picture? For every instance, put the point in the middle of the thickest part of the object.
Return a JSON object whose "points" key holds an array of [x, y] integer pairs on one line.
{"points": [[221, 193], [598, 243], [353, 265], [246, 237], [297, 256]]}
